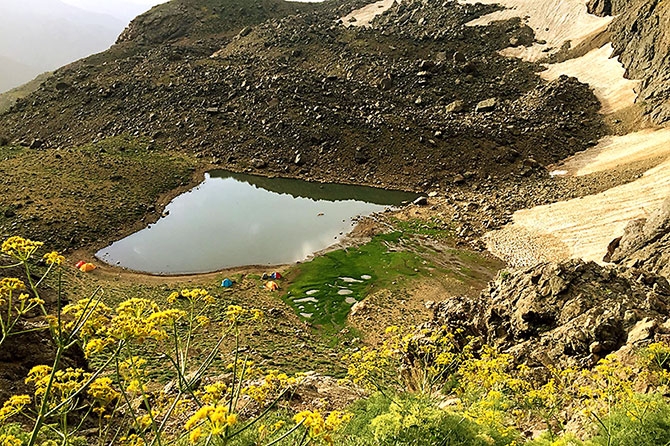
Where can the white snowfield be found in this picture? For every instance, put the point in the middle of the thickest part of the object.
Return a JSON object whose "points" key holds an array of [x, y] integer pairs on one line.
{"points": [[363, 16], [603, 73], [553, 21], [581, 228]]}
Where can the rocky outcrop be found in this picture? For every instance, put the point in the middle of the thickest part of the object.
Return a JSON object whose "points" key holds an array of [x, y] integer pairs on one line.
{"points": [[642, 42], [646, 243], [571, 313], [198, 18]]}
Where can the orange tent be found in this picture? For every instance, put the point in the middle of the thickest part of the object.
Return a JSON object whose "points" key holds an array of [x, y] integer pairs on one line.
{"points": [[87, 267], [272, 286]]}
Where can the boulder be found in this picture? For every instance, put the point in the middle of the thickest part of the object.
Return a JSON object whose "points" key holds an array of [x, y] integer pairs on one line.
{"points": [[456, 106], [487, 105], [645, 243], [571, 313]]}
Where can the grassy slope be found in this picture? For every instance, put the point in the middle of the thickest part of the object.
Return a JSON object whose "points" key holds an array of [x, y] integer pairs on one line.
{"points": [[82, 195]]}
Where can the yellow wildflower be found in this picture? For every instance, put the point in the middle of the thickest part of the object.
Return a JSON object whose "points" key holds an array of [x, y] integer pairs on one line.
{"points": [[198, 416], [20, 248], [235, 313], [94, 313], [102, 391], [132, 440], [10, 440], [53, 258], [197, 294], [9, 284], [214, 392], [141, 319], [195, 435], [134, 386], [215, 420], [202, 321], [317, 427], [147, 419], [13, 406], [95, 345]]}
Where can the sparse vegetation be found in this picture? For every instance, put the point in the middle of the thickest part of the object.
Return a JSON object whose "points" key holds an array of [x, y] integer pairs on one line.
{"points": [[429, 387]]}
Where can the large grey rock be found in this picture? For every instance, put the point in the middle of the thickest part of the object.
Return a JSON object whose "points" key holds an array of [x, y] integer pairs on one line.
{"points": [[646, 243], [570, 313]]}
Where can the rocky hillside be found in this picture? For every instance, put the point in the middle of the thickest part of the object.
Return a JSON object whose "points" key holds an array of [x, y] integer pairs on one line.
{"points": [[416, 100]]}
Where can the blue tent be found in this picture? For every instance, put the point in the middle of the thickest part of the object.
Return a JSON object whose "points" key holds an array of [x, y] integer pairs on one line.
{"points": [[227, 283]]}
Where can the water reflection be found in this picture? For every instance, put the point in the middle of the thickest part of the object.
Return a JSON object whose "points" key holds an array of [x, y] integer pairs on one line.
{"points": [[235, 219]]}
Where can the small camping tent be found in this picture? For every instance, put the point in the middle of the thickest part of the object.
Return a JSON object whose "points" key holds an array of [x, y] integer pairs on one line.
{"points": [[227, 283], [272, 286], [87, 267]]}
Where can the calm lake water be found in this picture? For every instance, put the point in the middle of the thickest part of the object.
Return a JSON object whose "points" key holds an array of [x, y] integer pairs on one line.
{"points": [[233, 219]]}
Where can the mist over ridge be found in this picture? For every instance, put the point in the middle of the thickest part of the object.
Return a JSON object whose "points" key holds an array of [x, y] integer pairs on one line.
{"points": [[42, 35]]}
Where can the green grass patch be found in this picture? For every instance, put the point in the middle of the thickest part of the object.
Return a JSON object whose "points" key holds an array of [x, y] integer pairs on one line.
{"points": [[433, 227], [323, 290]]}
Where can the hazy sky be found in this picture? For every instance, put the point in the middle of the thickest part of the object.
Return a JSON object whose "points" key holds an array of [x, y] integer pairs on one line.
{"points": [[92, 3], [126, 9]]}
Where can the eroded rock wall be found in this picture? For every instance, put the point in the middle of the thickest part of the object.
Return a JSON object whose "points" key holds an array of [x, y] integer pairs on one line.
{"points": [[641, 38]]}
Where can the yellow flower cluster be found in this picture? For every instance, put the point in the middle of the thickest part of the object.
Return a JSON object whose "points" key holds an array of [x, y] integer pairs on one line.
{"points": [[370, 367], [272, 383], [65, 382], [132, 440], [133, 371], [13, 406], [102, 392], [20, 248], [211, 420], [8, 286], [53, 258], [425, 358], [94, 314], [656, 359], [10, 440], [140, 319], [237, 314], [319, 428], [214, 392], [198, 294]]}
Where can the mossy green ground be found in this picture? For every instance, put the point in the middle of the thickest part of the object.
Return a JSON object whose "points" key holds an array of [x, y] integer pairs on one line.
{"points": [[326, 278]]}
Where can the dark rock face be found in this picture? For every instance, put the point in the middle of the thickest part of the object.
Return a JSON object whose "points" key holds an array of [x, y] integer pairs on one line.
{"points": [[599, 7], [646, 243], [642, 41], [572, 313]]}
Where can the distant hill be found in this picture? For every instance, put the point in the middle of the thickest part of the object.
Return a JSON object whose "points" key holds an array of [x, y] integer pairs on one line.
{"points": [[41, 35]]}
